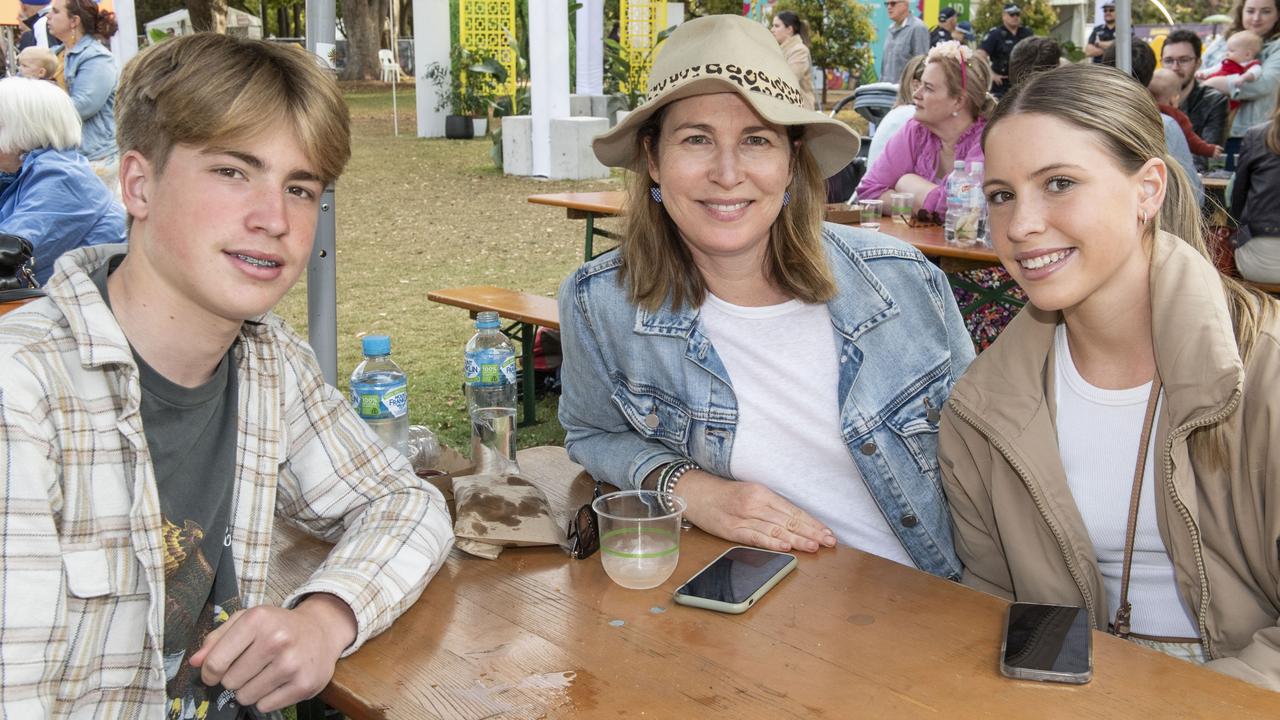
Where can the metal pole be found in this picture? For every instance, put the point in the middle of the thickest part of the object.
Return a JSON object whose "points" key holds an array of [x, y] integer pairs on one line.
{"points": [[1124, 36], [395, 55], [322, 285]]}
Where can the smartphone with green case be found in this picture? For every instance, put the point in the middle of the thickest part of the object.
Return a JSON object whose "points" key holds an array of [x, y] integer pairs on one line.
{"points": [[737, 579]]}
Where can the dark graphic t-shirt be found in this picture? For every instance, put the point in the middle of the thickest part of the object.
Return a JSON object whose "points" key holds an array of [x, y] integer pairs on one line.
{"points": [[191, 436]]}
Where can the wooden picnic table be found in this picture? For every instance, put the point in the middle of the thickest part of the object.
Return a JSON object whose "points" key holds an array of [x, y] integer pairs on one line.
{"points": [[928, 239], [536, 634], [591, 206]]}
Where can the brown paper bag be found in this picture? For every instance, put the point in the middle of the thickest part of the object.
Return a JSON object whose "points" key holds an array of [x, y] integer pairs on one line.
{"points": [[497, 511]]}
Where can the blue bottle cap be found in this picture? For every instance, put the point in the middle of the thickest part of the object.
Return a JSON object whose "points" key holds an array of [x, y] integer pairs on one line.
{"points": [[375, 345], [486, 320]]}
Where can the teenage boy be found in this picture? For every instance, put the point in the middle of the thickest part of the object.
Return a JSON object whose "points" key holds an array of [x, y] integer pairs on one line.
{"points": [[154, 416]]}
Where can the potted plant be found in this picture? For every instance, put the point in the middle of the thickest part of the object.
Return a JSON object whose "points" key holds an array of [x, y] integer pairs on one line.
{"points": [[465, 89]]}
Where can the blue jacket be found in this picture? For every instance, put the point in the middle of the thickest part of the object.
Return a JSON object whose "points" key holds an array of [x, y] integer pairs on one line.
{"points": [[58, 204], [91, 81], [641, 389]]}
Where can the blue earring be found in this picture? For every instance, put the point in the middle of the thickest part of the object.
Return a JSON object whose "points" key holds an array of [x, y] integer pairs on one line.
{"points": [[786, 198], [656, 194]]}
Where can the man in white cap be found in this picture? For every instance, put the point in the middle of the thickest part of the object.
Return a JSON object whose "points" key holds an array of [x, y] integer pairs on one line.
{"points": [[1104, 33]]}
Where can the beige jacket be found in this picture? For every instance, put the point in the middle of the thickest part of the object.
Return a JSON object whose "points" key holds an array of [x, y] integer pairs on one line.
{"points": [[797, 54], [1018, 531]]}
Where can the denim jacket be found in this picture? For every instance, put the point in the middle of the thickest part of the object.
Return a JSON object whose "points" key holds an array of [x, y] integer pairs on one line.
{"points": [[641, 389], [91, 81]]}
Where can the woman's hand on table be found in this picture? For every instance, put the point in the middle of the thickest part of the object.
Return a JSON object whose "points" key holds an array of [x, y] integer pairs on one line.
{"points": [[750, 513]]}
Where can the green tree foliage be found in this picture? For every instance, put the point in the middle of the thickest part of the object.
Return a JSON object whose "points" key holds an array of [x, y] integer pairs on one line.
{"points": [[700, 8], [839, 31], [1037, 15]]}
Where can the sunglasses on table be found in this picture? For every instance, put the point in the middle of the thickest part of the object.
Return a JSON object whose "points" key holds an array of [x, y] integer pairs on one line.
{"points": [[921, 218], [583, 534]]}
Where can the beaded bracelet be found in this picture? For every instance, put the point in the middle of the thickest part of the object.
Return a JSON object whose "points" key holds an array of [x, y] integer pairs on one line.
{"points": [[671, 475]]}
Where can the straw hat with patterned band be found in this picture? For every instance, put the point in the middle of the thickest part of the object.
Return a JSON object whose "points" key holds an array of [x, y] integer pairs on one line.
{"points": [[728, 53]]}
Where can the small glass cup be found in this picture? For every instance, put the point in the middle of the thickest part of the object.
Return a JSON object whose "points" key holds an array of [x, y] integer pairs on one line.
{"points": [[869, 213], [639, 536], [901, 206]]}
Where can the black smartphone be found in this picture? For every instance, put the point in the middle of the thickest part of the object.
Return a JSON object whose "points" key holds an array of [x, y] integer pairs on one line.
{"points": [[1047, 642], [734, 581]]}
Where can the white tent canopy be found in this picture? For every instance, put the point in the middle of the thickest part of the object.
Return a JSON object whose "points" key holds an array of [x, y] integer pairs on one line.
{"points": [[239, 23]]}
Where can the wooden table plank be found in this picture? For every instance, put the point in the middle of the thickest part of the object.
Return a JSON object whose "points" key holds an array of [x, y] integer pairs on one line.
{"points": [[510, 304], [536, 634], [928, 239]]}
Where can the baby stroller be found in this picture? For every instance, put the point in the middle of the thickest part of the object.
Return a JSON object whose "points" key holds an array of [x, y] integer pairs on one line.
{"points": [[872, 102]]}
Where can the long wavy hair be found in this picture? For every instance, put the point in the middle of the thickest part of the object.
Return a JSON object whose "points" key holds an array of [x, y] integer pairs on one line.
{"points": [[1123, 117], [657, 265]]}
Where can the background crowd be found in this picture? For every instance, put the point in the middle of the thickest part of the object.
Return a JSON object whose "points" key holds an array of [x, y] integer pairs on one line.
{"points": [[1210, 97]]}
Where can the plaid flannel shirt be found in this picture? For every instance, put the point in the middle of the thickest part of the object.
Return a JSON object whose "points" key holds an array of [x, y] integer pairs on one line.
{"points": [[81, 556]]}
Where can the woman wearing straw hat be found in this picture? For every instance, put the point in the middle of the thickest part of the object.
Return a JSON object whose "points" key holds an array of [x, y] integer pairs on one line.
{"points": [[784, 377]]}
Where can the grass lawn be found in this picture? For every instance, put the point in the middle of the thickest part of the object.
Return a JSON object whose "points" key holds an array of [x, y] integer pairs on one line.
{"points": [[415, 215]]}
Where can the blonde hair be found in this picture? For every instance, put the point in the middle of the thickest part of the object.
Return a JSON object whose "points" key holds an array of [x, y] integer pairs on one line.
{"points": [[973, 83], [208, 89], [41, 57], [1246, 40], [657, 265], [910, 74], [1107, 103], [36, 114]]}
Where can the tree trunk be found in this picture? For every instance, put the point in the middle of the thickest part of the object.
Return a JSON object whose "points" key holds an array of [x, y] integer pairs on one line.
{"points": [[208, 15], [363, 22]]}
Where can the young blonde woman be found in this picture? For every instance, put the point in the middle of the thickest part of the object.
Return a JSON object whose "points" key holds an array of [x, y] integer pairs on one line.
{"points": [[1113, 449], [782, 376]]}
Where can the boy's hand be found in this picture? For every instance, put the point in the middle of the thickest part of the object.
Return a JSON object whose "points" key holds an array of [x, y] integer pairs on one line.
{"points": [[1217, 151], [271, 657]]}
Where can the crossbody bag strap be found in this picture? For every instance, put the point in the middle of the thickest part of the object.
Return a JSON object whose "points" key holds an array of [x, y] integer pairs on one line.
{"points": [[1125, 611]]}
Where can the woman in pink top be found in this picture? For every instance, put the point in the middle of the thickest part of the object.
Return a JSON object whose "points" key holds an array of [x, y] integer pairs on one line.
{"points": [[952, 105]]}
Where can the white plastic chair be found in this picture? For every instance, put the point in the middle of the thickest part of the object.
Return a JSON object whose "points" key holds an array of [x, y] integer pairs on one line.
{"points": [[390, 68]]}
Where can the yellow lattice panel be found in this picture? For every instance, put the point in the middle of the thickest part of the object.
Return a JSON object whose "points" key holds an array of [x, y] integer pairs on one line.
{"points": [[642, 21], [488, 27]]}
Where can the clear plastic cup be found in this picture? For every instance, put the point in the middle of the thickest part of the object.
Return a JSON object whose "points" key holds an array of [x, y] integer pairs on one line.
{"points": [[869, 213], [901, 206], [639, 536]]}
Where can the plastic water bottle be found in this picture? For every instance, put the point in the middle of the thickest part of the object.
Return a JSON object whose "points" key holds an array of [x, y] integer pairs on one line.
{"points": [[380, 393], [490, 368], [957, 200], [978, 203]]}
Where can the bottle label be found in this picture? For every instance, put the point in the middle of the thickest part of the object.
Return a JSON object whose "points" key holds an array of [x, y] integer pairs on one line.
{"points": [[490, 367], [380, 401]]}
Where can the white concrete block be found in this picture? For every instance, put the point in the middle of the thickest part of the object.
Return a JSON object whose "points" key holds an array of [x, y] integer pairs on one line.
{"points": [[579, 106], [517, 145], [571, 155], [620, 116], [600, 106]]}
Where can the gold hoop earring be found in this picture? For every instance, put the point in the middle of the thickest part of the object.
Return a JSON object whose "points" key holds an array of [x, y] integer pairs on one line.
{"points": [[1144, 217]]}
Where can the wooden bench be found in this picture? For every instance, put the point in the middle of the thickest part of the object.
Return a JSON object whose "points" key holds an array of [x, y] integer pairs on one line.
{"points": [[528, 312], [1270, 288]]}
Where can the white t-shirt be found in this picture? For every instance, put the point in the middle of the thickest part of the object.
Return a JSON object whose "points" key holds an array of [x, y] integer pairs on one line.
{"points": [[888, 127], [783, 364], [1098, 434]]}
